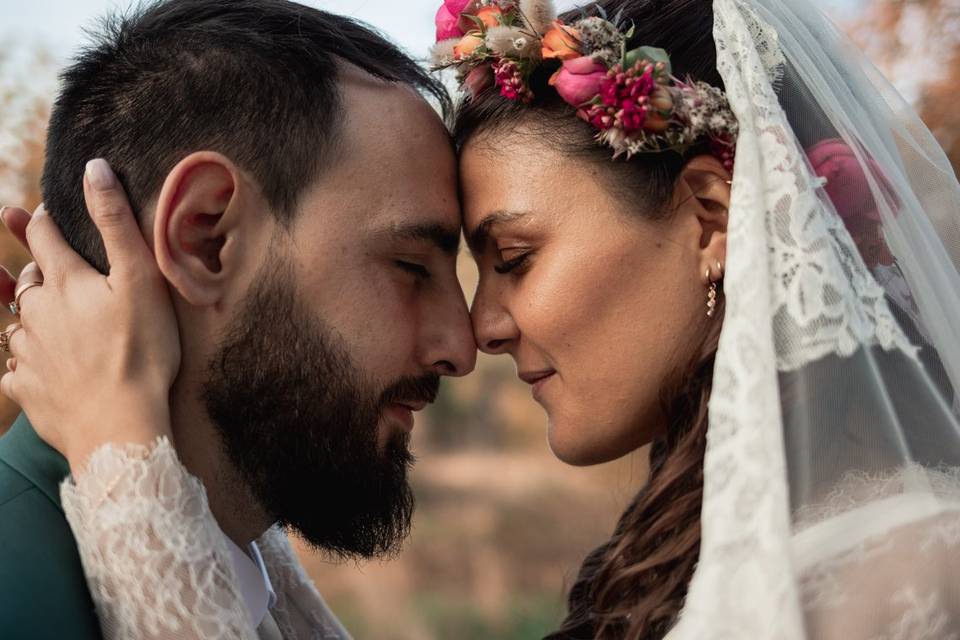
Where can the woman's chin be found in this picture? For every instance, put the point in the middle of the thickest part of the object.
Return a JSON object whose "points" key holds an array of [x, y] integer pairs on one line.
{"points": [[576, 451], [577, 446]]}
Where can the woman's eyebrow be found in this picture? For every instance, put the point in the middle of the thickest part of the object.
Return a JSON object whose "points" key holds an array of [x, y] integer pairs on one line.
{"points": [[477, 238]]}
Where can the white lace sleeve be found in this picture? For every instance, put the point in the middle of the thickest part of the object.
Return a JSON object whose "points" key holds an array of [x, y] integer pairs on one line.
{"points": [[156, 561], [887, 570]]}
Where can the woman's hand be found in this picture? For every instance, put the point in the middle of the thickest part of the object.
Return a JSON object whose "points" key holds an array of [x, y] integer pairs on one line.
{"points": [[93, 357]]}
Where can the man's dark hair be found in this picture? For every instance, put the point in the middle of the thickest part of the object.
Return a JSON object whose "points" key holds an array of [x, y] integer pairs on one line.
{"points": [[256, 80]]}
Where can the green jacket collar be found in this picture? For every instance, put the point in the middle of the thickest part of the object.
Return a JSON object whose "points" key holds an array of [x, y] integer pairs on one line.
{"points": [[38, 462]]}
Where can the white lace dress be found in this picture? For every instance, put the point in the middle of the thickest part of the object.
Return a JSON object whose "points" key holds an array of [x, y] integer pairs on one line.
{"points": [[879, 560], [158, 565]]}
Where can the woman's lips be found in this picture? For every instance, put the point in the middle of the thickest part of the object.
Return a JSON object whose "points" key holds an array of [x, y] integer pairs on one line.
{"points": [[537, 379]]}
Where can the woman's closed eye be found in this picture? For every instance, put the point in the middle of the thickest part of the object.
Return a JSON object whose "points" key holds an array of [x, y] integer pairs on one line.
{"points": [[514, 260]]}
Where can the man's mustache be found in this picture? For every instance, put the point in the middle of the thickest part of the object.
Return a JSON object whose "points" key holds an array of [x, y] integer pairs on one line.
{"points": [[412, 389]]}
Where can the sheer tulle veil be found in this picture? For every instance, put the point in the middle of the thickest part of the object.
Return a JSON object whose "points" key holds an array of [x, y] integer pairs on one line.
{"points": [[832, 492]]}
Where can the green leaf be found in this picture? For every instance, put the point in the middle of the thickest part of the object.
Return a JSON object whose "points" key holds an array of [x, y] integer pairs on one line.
{"points": [[481, 25], [651, 54]]}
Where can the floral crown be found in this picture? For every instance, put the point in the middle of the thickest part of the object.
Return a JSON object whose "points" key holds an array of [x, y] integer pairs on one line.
{"points": [[630, 97]]}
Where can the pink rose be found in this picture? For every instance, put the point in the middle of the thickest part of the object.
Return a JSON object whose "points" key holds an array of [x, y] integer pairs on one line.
{"points": [[447, 27], [479, 79], [847, 184], [448, 19], [578, 81], [850, 193]]}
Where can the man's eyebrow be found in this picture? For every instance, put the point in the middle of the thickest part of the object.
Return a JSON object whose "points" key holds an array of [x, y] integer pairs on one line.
{"points": [[477, 238], [447, 239]]}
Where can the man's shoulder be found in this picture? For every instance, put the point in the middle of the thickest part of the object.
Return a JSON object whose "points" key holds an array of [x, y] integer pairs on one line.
{"points": [[44, 590], [12, 484], [21, 497]]}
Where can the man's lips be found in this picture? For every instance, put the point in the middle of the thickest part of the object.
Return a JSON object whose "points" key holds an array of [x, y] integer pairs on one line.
{"points": [[403, 411], [413, 405]]}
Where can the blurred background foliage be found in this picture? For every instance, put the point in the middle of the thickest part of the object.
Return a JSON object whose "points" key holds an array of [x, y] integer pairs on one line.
{"points": [[501, 526]]}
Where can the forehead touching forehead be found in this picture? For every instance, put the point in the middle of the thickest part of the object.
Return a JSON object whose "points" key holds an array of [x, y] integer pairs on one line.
{"points": [[395, 159]]}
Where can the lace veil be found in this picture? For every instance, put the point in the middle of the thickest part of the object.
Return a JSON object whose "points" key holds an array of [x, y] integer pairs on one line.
{"points": [[831, 500]]}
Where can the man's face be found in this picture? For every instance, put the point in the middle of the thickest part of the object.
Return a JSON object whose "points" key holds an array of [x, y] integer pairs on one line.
{"points": [[347, 329]]}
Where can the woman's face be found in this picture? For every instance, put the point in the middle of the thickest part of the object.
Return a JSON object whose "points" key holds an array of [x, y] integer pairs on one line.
{"points": [[596, 304]]}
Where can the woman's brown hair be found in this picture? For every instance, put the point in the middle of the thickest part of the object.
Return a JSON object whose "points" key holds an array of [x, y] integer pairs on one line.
{"points": [[633, 585]]}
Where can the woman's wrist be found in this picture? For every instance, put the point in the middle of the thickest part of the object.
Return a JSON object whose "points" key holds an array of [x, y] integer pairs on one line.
{"points": [[141, 424]]}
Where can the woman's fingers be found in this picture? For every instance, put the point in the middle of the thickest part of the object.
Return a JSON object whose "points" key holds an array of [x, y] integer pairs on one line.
{"points": [[13, 339], [8, 287], [48, 247], [16, 220], [127, 252], [12, 344], [7, 386], [107, 203], [30, 274], [30, 278]]}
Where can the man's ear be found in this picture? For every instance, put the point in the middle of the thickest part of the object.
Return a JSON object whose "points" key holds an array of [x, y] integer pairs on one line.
{"points": [[703, 192], [196, 219]]}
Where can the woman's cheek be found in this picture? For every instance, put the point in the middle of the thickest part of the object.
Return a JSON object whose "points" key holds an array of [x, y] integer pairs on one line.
{"points": [[552, 303]]}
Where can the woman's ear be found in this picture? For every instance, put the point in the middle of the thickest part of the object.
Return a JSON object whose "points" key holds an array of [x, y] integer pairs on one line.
{"points": [[194, 222], [703, 193]]}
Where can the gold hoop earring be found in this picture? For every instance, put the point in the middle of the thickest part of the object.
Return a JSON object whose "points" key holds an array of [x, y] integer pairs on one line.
{"points": [[712, 290]]}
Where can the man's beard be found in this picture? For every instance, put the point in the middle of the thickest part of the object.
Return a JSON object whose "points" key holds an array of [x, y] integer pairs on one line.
{"points": [[299, 422]]}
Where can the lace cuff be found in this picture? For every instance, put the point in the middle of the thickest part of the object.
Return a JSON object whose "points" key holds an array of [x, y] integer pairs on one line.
{"points": [[156, 561]]}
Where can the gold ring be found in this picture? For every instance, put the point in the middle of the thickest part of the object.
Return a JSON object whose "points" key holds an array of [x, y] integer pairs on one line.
{"points": [[22, 289], [6, 335]]}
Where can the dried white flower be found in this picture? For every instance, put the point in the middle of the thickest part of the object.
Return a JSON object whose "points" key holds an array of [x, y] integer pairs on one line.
{"points": [[540, 14], [503, 41], [615, 139], [608, 57], [598, 35], [441, 54]]}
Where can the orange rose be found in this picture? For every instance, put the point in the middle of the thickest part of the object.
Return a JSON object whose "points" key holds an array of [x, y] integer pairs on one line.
{"points": [[561, 42], [490, 16], [661, 101], [467, 45]]}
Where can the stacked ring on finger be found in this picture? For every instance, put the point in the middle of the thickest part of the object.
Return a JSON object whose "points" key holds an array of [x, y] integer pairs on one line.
{"points": [[7, 334], [18, 295]]}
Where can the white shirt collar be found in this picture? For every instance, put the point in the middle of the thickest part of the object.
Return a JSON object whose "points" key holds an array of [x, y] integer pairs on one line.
{"points": [[255, 585]]}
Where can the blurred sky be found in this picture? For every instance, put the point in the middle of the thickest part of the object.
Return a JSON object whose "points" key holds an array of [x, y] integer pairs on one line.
{"points": [[57, 25]]}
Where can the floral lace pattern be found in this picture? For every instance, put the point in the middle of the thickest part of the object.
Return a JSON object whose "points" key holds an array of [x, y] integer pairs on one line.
{"points": [[767, 42], [796, 291], [157, 563]]}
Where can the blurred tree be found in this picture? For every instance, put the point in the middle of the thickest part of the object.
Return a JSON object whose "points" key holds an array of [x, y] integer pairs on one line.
{"points": [[24, 110], [916, 43]]}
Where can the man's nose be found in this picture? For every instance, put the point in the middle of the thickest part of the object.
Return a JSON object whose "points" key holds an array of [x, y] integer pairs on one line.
{"points": [[451, 349]]}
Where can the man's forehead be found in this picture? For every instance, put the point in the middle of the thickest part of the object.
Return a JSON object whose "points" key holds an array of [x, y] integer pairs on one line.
{"points": [[371, 104]]}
